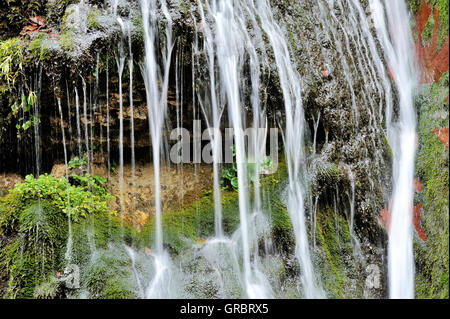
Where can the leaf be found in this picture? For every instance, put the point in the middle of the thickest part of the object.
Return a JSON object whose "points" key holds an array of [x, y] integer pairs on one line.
{"points": [[228, 173], [234, 182]]}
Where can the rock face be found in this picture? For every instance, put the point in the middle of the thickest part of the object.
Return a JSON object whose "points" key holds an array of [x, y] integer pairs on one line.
{"points": [[432, 206], [432, 43], [348, 160]]}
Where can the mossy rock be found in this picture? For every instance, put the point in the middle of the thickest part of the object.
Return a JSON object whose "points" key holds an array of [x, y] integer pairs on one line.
{"points": [[428, 31], [182, 228], [432, 256], [33, 250], [30, 252]]}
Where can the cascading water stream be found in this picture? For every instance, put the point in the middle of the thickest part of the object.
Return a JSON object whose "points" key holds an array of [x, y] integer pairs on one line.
{"points": [[160, 286], [395, 35], [86, 131], [130, 69], [290, 85], [231, 41], [236, 44], [229, 51], [77, 110], [120, 61], [68, 254], [214, 124]]}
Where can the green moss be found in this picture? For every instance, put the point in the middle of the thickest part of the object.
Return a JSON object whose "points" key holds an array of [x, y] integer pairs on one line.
{"points": [[92, 19], [334, 243], [49, 289], [67, 41], [428, 31], [414, 5], [38, 48], [182, 228], [432, 256], [195, 221], [31, 251], [442, 6], [33, 238], [387, 147], [443, 20], [110, 277]]}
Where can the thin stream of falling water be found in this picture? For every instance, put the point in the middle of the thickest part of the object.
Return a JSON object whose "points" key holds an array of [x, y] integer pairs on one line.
{"points": [[316, 126], [68, 254], [229, 56], [94, 106], [395, 35], [232, 42], [120, 61], [351, 226], [108, 144], [37, 140], [91, 127], [77, 108], [290, 85], [86, 132], [69, 118], [130, 68], [132, 254], [179, 87], [160, 286], [343, 60], [217, 112]]}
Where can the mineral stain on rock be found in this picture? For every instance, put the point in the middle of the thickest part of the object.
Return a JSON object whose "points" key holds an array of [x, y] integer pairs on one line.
{"points": [[433, 62]]}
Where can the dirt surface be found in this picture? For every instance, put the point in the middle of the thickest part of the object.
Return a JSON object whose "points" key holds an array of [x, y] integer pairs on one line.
{"points": [[180, 186]]}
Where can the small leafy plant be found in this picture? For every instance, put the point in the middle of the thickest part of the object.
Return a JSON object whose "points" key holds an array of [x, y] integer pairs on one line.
{"points": [[77, 162], [229, 174], [88, 196]]}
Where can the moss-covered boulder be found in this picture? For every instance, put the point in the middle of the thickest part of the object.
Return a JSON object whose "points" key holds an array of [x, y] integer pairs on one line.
{"points": [[432, 255], [38, 241]]}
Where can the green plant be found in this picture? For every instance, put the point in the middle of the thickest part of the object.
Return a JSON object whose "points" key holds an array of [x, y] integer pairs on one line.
{"points": [[77, 162], [89, 196], [16, 57], [229, 174], [25, 104], [11, 60]]}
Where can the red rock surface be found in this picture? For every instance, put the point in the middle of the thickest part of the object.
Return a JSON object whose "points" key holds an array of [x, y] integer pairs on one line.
{"points": [[442, 135], [385, 214], [417, 215], [432, 63], [417, 185], [385, 217]]}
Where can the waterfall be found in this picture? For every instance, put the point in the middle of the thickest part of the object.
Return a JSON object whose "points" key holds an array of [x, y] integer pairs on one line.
{"points": [[120, 61], [290, 86], [130, 68], [238, 67], [108, 120], [68, 254], [85, 120], [214, 123], [395, 35], [77, 108], [159, 287]]}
